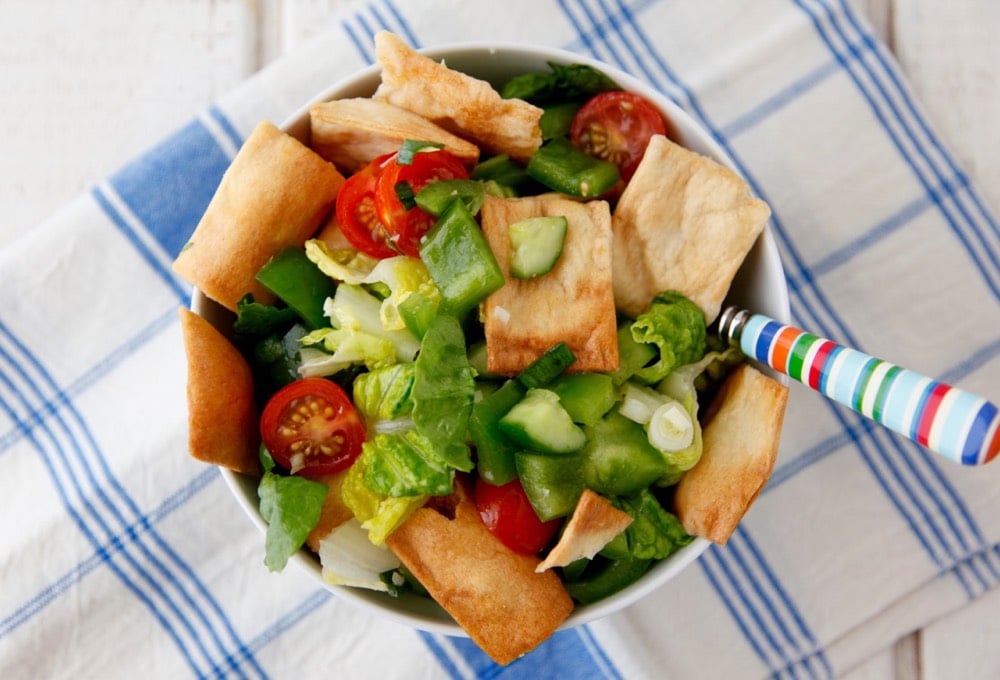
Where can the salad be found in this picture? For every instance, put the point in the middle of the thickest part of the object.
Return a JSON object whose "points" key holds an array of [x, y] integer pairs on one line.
{"points": [[443, 379]]}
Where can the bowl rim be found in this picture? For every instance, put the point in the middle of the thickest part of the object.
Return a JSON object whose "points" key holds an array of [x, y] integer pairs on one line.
{"points": [[423, 613]]}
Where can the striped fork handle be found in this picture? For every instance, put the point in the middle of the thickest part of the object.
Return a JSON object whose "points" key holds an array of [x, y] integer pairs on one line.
{"points": [[950, 421]]}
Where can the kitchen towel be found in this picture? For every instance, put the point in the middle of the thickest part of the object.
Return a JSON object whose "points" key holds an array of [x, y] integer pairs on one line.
{"points": [[122, 557]]}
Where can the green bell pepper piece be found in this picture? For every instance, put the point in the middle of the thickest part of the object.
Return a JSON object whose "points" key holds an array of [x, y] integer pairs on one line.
{"points": [[459, 260], [617, 575], [561, 166], [494, 452], [299, 283]]}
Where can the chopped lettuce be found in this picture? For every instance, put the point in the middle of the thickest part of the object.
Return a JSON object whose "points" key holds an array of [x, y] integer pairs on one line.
{"points": [[384, 396], [346, 265], [653, 534], [676, 326], [378, 513], [403, 276], [348, 558], [291, 507], [406, 464], [443, 391], [343, 347], [354, 309], [256, 319], [395, 277]]}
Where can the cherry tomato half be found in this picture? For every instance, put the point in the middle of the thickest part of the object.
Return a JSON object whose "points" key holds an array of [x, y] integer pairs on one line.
{"points": [[311, 428], [616, 126], [408, 225], [356, 212], [507, 513]]}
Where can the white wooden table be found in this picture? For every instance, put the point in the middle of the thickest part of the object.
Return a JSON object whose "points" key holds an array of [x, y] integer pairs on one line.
{"points": [[65, 64]]}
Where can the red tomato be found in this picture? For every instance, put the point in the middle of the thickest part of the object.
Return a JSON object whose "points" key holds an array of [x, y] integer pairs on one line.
{"points": [[616, 126], [311, 428], [407, 226], [507, 513], [356, 212]]}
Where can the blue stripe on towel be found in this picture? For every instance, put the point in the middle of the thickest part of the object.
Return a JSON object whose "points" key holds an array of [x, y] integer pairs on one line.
{"points": [[70, 494], [922, 465], [573, 654], [906, 129], [79, 460], [188, 163], [758, 626], [825, 315], [383, 15], [61, 585]]}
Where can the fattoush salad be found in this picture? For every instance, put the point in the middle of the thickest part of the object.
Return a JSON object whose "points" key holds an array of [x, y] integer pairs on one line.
{"points": [[466, 349]]}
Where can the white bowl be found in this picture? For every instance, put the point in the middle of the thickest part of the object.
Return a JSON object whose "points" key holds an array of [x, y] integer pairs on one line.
{"points": [[759, 286]]}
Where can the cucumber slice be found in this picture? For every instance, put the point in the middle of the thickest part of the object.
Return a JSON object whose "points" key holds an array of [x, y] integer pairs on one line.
{"points": [[547, 367], [537, 243], [540, 423]]}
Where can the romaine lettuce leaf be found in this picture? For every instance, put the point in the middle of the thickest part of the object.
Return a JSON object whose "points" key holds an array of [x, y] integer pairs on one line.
{"points": [[345, 265], [291, 507], [349, 558], [403, 276], [343, 347], [353, 308], [407, 464], [379, 514], [653, 534], [399, 277], [385, 394], [443, 391], [676, 326]]}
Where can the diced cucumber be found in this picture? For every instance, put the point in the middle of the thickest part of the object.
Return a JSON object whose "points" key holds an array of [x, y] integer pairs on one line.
{"points": [[536, 245], [553, 484], [547, 367], [618, 459], [540, 423], [494, 451], [585, 396]]}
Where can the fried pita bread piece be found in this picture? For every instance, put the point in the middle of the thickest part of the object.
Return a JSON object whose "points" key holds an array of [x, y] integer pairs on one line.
{"points": [[334, 512], [683, 223], [466, 106], [222, 415], [594, 522], [573, 302], [353, 132], [740, 440], [275, 194], [492, 592]]}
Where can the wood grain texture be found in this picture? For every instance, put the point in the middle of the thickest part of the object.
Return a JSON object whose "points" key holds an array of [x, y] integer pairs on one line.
{"points": [[88, 86]]}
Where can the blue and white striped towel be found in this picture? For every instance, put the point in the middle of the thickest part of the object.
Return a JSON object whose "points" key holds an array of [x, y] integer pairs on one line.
{"points": [[120, 557]]}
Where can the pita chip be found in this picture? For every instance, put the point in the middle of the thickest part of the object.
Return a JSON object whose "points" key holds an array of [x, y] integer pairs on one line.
{"points": [[684, 223]]}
